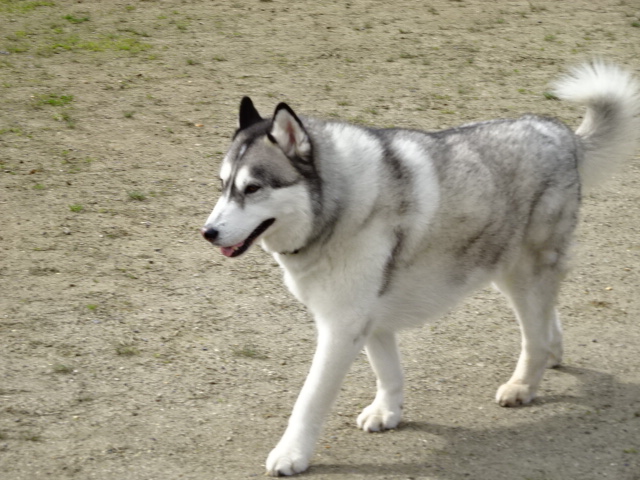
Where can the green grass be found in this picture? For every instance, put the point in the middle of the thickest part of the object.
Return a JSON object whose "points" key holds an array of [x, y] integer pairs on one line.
{"points": [[127, 350], [105, 43], [72, 19], [136, 195], [21, 6], [249, 351], [76, 208], [15, 130], [68, 119], [53, 100], [182, 25]]}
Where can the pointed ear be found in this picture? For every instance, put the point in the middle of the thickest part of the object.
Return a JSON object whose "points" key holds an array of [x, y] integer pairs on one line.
{"points": [[248, 114], [287, 131]]}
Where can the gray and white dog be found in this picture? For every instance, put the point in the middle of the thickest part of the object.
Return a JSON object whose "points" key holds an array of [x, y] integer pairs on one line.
{"points": [[379, 230]]}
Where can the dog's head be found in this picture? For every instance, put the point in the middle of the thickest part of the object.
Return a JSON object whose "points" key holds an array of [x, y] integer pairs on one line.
{"points": [[265, 192]]}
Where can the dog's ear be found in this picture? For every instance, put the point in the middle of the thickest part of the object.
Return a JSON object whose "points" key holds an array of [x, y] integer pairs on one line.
{"points": [[248, 114], [289, 134]]}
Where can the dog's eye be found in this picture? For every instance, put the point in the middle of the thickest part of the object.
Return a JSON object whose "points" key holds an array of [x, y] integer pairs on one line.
{"points": [[249, 189]]}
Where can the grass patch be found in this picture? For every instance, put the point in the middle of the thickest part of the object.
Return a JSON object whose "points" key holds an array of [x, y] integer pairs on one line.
{"points": [[249, 351], [136, 195], [127, 350], [116, 42], [72, 19], [76, 208], [53, 100], [15, 130], [66, 118], [111, 42], [18, 6]]}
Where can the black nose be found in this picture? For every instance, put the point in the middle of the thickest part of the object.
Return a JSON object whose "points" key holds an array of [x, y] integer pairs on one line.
{"points": [[209, 234]]}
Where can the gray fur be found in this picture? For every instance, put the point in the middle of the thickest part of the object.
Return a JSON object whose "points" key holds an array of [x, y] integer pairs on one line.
{"points": [[392, 263], [508, 166]]}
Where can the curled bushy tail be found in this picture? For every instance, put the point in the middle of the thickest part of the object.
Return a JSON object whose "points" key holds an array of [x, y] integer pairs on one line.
{"points": [[611, 127]]}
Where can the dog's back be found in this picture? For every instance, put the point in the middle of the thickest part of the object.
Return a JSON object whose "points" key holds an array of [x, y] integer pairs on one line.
{"points": [[448, 211]]}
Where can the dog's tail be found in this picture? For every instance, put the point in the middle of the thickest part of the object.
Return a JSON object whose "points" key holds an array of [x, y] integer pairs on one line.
{"points": [[611, 126]]}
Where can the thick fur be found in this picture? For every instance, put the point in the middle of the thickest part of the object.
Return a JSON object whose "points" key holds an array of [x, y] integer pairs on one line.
{"points": [[378, 230]]}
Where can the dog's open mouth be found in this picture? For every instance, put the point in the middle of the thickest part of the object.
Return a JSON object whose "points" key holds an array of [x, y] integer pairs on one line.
{"points": [[243, 246]]}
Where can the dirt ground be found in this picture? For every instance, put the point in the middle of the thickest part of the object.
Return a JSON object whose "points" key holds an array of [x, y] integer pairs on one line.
{"points": [[130, 349]]}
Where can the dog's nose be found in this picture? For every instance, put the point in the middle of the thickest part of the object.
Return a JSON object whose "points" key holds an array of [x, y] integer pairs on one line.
{"points": [[209, 234]]}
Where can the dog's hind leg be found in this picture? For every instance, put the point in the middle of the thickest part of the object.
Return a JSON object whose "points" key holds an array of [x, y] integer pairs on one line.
{"points": [[532, 288], [386, 410]]}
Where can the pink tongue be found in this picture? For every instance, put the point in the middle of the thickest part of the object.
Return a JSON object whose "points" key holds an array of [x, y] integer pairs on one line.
{"points": [[228, 251]]}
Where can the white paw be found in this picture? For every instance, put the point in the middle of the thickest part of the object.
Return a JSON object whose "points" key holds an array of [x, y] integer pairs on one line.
{"points": [[513, 394], [378, 417], [286, 461]]}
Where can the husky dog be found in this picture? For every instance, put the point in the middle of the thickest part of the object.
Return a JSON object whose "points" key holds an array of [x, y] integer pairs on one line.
{"points": [[382, 229]]}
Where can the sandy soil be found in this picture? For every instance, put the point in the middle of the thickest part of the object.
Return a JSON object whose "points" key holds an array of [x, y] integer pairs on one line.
{"points": [[130, 349]]}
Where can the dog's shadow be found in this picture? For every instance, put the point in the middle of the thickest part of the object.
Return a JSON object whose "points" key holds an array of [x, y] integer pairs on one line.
{"points": [[596, 435]]}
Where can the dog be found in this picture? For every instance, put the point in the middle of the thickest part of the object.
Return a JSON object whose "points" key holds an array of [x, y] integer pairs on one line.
{"points": [[382, 229]]}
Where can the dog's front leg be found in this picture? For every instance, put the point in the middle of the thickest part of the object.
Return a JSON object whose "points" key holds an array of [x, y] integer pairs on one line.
{"points": [[335, 353]]}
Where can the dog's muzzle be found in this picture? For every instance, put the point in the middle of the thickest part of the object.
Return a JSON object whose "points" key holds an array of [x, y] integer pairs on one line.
{"points": [[209, 234]]}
